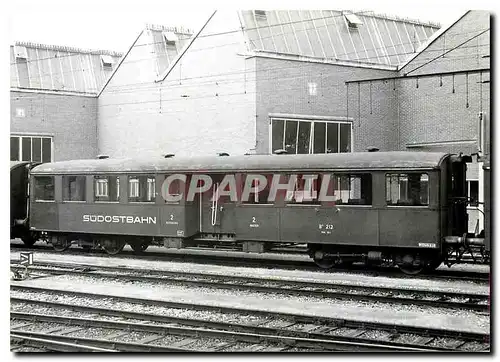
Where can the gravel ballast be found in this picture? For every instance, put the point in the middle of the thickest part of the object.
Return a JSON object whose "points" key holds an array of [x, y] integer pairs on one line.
{"points": [[397, 314], [299, 275]]}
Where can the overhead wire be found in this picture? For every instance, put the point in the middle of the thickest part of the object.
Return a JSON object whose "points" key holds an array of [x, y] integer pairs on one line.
{"points": [[174, 82], [249, 71]]}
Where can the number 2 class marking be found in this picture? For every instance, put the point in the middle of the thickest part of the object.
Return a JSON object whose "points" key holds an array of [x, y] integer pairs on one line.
{"points": [[253, 219], [171, 217]]}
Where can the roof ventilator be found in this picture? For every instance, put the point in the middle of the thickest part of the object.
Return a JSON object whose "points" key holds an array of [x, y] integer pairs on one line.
{"points": [[372, 149], [352, 20], [20, 52], [169, 155], [260, 14], [223, 154], [102, 157], [280, 152], [170, 37], [107, 61]]}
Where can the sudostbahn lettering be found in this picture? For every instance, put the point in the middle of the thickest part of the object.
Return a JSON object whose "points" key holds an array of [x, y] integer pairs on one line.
{"points": [[120, 219]]}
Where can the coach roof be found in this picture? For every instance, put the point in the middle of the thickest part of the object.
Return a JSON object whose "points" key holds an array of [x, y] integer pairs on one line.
{"points": [[333, 161]]}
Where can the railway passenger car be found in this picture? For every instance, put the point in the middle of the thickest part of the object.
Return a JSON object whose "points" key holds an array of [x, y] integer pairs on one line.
{"points": [[399, 208]]}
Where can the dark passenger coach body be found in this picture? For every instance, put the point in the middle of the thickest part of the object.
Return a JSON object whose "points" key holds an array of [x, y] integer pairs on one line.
{"points": [[394, 207]]}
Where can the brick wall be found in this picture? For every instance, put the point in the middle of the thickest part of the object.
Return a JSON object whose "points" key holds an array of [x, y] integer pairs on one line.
{"points": [[70, 119], [445, 109], [438, 113]]}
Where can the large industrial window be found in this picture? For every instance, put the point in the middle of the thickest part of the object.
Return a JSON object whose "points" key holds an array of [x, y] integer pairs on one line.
{"points": [[44, 188], [301, 136], [407, 189], [141, 189], [106, 188], [31, 148], [73, 188]]}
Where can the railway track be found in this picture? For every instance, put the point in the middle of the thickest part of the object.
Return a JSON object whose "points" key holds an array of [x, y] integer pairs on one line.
{"points": [[222, 329], [270, 261], [441, 299]]}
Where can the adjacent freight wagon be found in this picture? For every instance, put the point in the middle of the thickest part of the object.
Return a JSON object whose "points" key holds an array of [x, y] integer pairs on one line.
{"points": [[19, 202], [401, 208]]}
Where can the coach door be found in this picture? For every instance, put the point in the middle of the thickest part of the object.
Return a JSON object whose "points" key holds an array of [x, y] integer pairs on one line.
{"points": [[217, 209]]}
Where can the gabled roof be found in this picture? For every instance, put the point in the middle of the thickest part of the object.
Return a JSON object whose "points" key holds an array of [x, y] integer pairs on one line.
{"points": [[164, 43], [362, 37], [431, 40], [58, 68]]}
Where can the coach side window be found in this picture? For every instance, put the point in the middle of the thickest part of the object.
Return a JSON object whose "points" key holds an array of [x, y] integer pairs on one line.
{"points": [[407, 189], [73, 188], [255, 196], [141, 189], [306, 191], [106, 188], [352, 189], [44, 188]]}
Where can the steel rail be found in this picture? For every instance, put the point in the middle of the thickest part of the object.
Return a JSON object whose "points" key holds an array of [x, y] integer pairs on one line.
{"points": [[293, 287], [245, 260], [48, 343], [298, 318], [330, 344], [227, 326], [97, 343]]}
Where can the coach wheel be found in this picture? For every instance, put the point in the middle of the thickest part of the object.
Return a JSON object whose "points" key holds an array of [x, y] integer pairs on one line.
{"points": [[410, 269], [324, 263], [139, 247], [62, 244], [113, 247]]}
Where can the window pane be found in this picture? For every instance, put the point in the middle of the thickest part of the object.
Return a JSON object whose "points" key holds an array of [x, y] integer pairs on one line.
{"points": [[291, 136], [345, 137], [106, 188], [255, 196], [473, 192], [319, 137], [304, 137], [352, 189], [407, 189], [332, 140], [14, 148], [141, 189], [73, 188], [37, 149], [26, 144], [277, 134], [46, 150], [306, 190], [44, 188]]}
